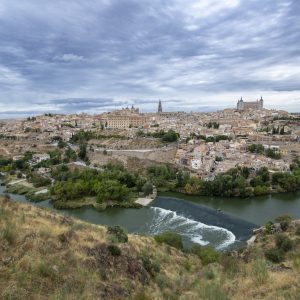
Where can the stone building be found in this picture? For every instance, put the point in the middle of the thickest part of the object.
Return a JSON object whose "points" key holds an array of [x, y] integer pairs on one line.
{"points": [[126, 118], [243, 105]]}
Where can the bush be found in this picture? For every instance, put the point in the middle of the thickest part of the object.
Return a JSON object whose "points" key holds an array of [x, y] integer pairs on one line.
{"points": [[284, 221], [298, 230], [283, 242], [44, 269], [207, 254], [285, 218], [114, 250], [147, 188], [269, 227], [170, 238], [275, 255], [209, 274], [151, 266], [118, 233]]}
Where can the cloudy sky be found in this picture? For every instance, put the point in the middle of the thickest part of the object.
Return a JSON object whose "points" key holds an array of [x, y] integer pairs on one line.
{"points": [[98, 55]]}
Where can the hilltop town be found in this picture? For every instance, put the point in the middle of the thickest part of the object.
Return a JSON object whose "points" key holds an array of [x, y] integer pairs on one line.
{"points": [[205, 144]]}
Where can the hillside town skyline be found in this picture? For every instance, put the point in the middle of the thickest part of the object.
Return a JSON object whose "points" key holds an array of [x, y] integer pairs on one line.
{"points": [[239, 104]]}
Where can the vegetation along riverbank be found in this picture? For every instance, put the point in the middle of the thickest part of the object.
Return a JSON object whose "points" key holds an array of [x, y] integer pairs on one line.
{"points": [[47, 255], [72, 186]]}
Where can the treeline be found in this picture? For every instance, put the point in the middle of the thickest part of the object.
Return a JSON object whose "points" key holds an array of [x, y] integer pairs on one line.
{"points": [[8, 165], [237, 182], [8, 137], [214, 125], [243, 182], [84, 136], [208, 139], [114, 183], [57, 157], [259, 149], [169, 136]]}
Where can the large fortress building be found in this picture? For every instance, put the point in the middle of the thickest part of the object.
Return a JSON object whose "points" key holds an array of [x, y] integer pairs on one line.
{"points": [[126, 118], [258, 104]]}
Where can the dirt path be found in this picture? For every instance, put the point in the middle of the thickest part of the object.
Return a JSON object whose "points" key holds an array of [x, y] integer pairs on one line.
{"points": [[5, 150]]}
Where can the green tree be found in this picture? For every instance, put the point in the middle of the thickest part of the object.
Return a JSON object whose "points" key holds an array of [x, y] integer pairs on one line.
{"points": [[147, 188], [111, 190], [83, 152]]}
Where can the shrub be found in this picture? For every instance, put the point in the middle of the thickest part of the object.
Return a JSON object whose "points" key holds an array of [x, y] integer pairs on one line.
{"points": [[207, 254], [283, 242], [284, 221], [147, 188], [114, 250], [269, 227], [170, 238], [161, 281], [151, 266], [44, 269], [275, 255], [298, 230], [187, 265], [209, 274], [118, 233]]}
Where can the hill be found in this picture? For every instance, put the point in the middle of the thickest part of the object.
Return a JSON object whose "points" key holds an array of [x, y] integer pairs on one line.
{"points": [[44, 255]]}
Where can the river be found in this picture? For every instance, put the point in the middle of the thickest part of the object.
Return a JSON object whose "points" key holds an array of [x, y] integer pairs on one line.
{"points": [[195, 218]]}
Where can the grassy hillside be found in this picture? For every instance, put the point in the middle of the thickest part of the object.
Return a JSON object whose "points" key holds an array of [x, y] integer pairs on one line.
{"points": [[44, 255]]}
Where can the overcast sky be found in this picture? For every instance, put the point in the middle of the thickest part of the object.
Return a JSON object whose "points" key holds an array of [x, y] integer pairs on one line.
{"points": [[98, 55]]}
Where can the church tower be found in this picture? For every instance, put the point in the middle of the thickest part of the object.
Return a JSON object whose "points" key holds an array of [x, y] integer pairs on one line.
{"points": [[240, 104], [159, 110], [261, 103]]}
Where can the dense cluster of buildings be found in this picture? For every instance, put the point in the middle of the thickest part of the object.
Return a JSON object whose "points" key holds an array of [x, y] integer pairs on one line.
{"points": [[210, 143]]}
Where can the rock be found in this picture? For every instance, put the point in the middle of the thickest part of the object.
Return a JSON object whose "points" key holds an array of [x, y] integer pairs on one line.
{"points": [[276, 228], [251, 240], [281, 267]]}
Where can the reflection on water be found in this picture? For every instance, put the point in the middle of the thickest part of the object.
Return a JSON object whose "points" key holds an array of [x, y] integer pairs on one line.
{"points": [[256, 210]]}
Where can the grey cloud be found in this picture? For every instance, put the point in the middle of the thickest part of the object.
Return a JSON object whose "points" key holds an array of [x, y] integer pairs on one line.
{"points": [[191, 50]]}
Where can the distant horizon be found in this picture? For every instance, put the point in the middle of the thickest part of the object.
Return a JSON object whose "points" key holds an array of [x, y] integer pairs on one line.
{"points": [[24, 115]]}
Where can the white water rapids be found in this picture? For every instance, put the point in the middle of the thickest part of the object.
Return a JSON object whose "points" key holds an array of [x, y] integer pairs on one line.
{"points": [[195, 231]]}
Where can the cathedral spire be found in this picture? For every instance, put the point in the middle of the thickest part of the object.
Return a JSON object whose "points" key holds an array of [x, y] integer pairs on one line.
{"points": [[159, 110]]}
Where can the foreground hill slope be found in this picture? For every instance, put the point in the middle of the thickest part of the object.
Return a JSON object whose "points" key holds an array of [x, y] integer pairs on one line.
{"points": [[44, 255]]}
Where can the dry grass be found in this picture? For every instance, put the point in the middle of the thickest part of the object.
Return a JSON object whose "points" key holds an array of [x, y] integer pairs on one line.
{"points": [[44, 255]]}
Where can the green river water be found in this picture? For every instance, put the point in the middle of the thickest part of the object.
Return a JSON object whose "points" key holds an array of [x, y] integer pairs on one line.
{"points": [[225, 223]]}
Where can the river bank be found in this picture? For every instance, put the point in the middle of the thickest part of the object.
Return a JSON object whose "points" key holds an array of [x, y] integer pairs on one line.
{"points": [[222, 222], [41, 194], [47, 254], [154, 219]]}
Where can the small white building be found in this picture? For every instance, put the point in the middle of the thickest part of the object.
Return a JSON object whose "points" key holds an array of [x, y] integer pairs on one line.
{"points": [[196, 164], [37, 158]]}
